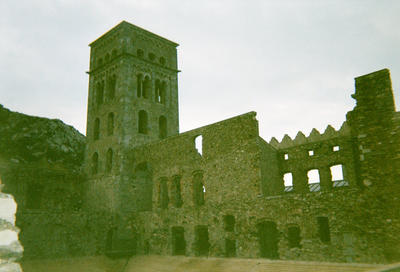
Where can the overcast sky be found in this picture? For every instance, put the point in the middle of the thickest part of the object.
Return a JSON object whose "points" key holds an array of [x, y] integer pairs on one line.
{"points": [[293, 62]]}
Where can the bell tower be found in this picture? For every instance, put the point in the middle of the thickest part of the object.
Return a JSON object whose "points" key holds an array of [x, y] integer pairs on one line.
{"points": [[133, 100]]}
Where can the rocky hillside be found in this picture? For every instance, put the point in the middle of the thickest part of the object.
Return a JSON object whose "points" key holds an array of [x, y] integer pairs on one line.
{"points": [[29, 139]]}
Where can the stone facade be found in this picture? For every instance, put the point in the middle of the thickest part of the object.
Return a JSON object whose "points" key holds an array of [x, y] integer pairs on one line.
{"points": [[219, 190]]}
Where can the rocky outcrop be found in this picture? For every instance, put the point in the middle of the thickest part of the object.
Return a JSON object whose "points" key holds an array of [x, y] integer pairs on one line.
{"points": [[29, 139]]}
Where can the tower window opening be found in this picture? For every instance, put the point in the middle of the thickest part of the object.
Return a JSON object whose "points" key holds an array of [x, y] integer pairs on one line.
{"points": [[198, 142], [146, 87], [95, 163], [114, 53], [109, 161], [162, 126], [157, 91], [100, 93], [286, 156], [110, 124], [152, 56], [310, 153], [96, 130], [139, 87], [140, 53], [335, 148], [143, 122], [162, 93], [112, 82]]}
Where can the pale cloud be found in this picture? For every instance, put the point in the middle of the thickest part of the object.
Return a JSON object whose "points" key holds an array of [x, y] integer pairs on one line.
{"points": [[291, 61]]}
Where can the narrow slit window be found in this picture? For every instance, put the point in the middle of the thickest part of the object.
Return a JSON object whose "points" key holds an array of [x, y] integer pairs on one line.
{"points": [[110, 124], [96, 130], [286, 156], [95, 163], [142, 122], [109, 161], [162, 127], [139, 85]]}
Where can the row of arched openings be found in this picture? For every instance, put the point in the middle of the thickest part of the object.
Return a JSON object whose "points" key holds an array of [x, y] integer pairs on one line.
{"points": [[110, 126], [144, 88], [313, 178], [95, 162], [107, 58], [105, 89], [143, 127]]}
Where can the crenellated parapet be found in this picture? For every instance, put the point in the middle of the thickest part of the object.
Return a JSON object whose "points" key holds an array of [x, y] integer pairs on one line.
{"points": [[317, 162], [314, 136]]}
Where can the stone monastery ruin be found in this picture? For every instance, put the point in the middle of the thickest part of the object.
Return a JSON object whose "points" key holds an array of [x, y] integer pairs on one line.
{"points": [[135, 185]]}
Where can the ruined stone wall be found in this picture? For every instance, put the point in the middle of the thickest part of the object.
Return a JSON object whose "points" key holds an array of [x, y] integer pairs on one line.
{"points": [[40, 164]]}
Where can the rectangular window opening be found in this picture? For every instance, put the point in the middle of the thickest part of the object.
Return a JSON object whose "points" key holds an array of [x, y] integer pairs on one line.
{"points": [[323, 229]]}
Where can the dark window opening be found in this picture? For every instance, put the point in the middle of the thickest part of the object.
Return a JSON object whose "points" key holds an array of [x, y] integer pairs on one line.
{"points": [[157, 90], [268, 239], [201, 243], [163, 193], [198, 189], [144, 187], [114, 53], [110, 124], [142, 122], [230, 248], [140, 53], [162, 127], [323, 229], [96, 130], [112, 83], [294, 236], [146, 87], [139, 87], [178, 241], [229, 222], [163, 90], [34, 196], [152, 56], [109, 160], [162, 60], [95, 163], [100, 93], [176, 184]]}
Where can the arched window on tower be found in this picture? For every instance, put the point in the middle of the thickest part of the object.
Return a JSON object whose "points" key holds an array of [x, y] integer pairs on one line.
{"points": [[99, 93], [146, 87], [109, 161], [139, 87], [96, 130], [163, 91], [95, 163], [110, 124], [112, 83], [157, 88], [162, 127], [142, 128]]}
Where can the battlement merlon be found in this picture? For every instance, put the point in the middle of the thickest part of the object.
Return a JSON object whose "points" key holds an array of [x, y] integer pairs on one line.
{"points": [[126, 25], [315, 136]]}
